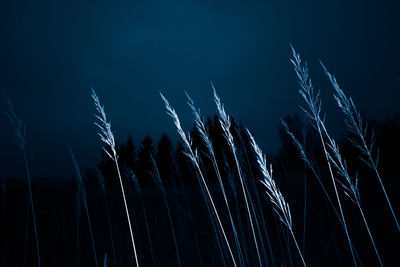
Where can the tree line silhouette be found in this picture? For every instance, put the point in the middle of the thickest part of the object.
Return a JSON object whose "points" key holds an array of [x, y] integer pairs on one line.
{"points": [[174, 168]]}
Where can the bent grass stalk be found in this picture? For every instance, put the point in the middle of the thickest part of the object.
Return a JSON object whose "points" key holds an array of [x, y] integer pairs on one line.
{"points": [[257, 204], [225, 122], [107, 137], [353, 116], [351, 188], [19, 132], [210, 214], [193, 156], [309, 164], [305, 195], [313, 102], [280, 206], [355, 125], [232, 183], [254, 209], [203, 133]]}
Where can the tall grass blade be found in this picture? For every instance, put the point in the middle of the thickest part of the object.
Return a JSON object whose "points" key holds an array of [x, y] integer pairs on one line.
{"points": [[279, 204], [107, 137], [225, 123]]}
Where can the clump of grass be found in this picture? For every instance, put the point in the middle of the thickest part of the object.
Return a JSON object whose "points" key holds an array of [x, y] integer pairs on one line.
{"points": [[279, 204], [356, 126], [225, 123], [200, 126], [194, 158], [107, 136], [354, 122], [313, 112], [350, 187], [19, 132]]}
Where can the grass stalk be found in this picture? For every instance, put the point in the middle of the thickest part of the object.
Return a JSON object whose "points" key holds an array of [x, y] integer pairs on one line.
{"points": [[257, 204], [107, 137], [356, 126], [225, 122], [350, 187], [279, 204]]}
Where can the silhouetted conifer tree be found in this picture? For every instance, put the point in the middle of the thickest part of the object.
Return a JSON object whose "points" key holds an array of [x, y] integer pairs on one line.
{"points": [[127, 154], [164, 160]]}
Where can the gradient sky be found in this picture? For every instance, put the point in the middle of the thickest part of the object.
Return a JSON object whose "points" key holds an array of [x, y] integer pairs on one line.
{"points": [[52, 52]]}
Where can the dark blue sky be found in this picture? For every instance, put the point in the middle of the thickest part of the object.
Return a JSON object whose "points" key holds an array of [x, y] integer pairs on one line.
{"points": [[51, 52]]}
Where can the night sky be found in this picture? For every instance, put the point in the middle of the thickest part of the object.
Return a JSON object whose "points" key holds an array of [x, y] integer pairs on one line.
{"points": [[52, 52]]}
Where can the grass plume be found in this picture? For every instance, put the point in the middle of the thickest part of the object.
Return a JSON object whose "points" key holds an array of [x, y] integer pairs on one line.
{"points": [[200, 126], [356, 126], [107, 137], [225, 123], [349, 186], [279, 204]]}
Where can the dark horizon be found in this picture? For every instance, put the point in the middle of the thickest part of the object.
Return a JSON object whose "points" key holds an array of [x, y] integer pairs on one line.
{"points": [[52, 53]]}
